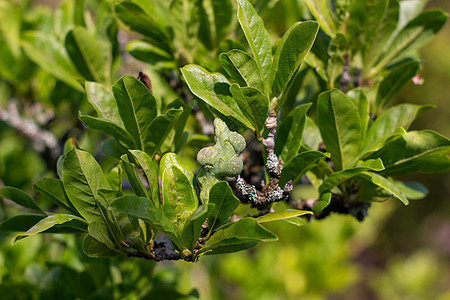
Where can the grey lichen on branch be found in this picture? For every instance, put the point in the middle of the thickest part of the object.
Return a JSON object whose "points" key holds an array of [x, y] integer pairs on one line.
{"points": [[220, 160], [272, 192]]}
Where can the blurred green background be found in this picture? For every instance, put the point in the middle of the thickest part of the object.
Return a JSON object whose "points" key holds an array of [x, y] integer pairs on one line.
{"points": [[396, 253]]}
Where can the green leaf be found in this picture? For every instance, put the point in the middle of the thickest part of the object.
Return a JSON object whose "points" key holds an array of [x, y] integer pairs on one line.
{"points": [[337, 178], [83, 179], [415, 34], [225, 204], [283, 215], [137, 107], [46, 52], [386, 184], [102, 99], [399, 116], [151, 54], [159, 130], [146, 210], [382, 19], [426, 164], [150, 168], [412, 190], [242, 68], [253, 104], [311, 135], [114, 178], [24, 222], [47, 223], [221, 17], [140, 21], [323, 202], [231, 248], [19, 197], [340, 127], [362, 104], [133, 178], [294, 46], [53, 190], [401, 151], [258, 39], [100, 232], [243, 231], [193, 226], [394, 81], [179, 196], [289, 134], [89, 54], [214, 89], [299, 165], [94, 248], [323, 14], [109, 127]]}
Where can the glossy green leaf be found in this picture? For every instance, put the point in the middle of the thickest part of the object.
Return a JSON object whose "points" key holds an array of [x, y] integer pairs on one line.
{"points": [[221, 18], [133, 178], [140, 21], [382, 19], [214, 89], [311, 135], [258, 39], [403, 150], [340, 127], [243, 231], [47, 223], [231, 248], [185, 23], [282, 215], [294, 46], [137, 107], [323, 14], [225, 204], [151, 54], [94, 248], [412, 190], [83, 179], [150, 168], [253, 104], [394, 81], [159, 130], [179, 196], [362, 104], [20, 197], [242, 68], [110, 128], [415, 34], [100, 232], [53, 190], [289, 134], [299, 165], [322, 202], [102, 99], [426, 164], [49, 54], [193, 226], [144, 209], [386, 184], [114, 178], [399, 116], [21, 223], [337, 178], [89, 54]]}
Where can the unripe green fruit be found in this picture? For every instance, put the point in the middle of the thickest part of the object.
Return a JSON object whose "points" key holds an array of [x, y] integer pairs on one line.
{"points": [[221, 160]]}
